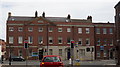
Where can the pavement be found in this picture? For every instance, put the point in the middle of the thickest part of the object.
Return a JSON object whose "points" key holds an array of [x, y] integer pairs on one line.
{"points": [[66, 62]]}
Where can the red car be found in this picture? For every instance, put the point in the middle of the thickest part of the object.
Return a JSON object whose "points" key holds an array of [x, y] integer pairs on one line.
{"points": [[51, 61]]}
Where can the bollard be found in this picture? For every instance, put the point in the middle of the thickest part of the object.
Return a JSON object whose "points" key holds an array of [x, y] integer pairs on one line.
{"points": [[70, 62]]}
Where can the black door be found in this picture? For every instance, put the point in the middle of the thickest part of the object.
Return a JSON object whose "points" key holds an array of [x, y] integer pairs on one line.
{"points": [[40, 54], [68, 54]]}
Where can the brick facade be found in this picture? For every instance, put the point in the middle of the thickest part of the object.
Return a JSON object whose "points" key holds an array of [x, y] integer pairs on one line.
{"points": [[52, 35]]}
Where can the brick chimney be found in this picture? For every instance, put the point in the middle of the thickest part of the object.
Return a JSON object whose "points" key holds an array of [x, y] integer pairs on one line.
{"points": [[68, 17], [43, 15], [89, 18], [36, 14], [9, 14]]}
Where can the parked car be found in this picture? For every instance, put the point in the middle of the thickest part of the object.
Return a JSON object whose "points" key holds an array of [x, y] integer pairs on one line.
{"points": [[17, 58], [51, 61]]}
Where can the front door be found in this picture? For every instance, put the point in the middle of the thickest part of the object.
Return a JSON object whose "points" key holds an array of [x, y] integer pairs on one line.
{"points": [[68, 54], [40, 54]]}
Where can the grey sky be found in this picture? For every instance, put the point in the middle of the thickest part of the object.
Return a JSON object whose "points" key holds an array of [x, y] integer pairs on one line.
{"points": [[100, 10]]}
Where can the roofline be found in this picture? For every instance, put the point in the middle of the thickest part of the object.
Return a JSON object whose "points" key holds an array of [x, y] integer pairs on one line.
{"points": [[117, 4]]}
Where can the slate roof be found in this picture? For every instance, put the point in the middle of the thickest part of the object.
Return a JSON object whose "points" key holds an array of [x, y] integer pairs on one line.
{"points": [[52, 19]]}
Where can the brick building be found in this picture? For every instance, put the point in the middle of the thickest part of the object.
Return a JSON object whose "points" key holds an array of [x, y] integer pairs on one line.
{"points": [[117, 31], [52, 35]]}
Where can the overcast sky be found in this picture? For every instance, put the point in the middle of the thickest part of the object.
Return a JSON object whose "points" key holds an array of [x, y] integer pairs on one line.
{"points": [[100, 10]]}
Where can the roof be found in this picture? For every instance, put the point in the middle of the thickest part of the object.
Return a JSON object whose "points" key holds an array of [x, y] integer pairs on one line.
{"points": [[51, 19], [117, 4], [18, 18]]}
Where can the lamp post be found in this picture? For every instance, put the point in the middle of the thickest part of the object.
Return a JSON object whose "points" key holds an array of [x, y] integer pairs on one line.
{"points": [[9, 54]]}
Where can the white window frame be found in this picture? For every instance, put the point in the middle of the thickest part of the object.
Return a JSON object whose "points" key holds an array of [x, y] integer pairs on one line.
{"points": [[59, 29], [68, 29], [40, 29], [111, 31], [40, 39], [104, 31], [50, 38], [11, 40], [30, 29], [80, 30], [80, 39], [50, 29], [30, 39], [20, 29], [87, 30], [97, 30], [20, 39], [88, 39], [11, 29], [105, 42], [59, 38]]}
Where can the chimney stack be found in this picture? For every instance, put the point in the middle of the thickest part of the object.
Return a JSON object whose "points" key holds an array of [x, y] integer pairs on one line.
{"points": [[36, 14], [89, 18], [68, 17], [43, 15], [9, 14]]}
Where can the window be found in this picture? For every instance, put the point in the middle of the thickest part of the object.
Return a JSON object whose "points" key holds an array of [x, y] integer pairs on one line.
{"points": [[59, 29], [20, 39], [68, 29], [111, 42], [105, 53], [105, 42], [111, 31], [68, 40], [20, 29], [11, 29], [104, 31], [30, 52], [50, 40], [87, 41], [87, 30], [40, 39], [80, 41], [59, 40], [60, 52], [30, 29], [88, 49], [20, 52], [98, 53], [97, 30], [40, 29], [50, 52], [30, 39], [82, 52], [98, 42], [50, 29], [11, 40], [79, 30]]}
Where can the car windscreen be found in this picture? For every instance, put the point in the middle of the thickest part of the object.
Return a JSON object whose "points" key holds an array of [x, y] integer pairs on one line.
{"points": [[51, 59]]}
